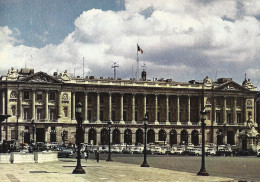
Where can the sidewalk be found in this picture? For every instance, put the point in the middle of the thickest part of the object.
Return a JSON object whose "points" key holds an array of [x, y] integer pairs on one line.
{"points": [[61, 171]]}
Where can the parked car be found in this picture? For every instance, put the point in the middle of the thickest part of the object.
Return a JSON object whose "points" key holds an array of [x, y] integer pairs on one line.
{"points": [[156, 150], [178, 151], [258, 153], [127, 151], [241, 152], [211, 151], [137, 150], [169, 151], [103, 149], [66, 153], [188, 152], [116, 150], [223, 152]]}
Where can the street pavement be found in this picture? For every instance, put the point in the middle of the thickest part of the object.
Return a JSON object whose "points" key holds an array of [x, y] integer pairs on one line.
{"points": [[61, 171]]}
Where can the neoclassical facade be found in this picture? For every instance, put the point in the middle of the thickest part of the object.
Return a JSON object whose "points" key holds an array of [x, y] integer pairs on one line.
{"points": [[173, 108]]}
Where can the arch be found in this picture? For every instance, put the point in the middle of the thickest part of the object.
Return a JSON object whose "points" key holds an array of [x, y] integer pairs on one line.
{"points": [[173, 137], [150, 136], [128, 137], [139, 136], [195, 137], [116, 136], [162, 135], [184, 137], [92, 136], [104, 137]]}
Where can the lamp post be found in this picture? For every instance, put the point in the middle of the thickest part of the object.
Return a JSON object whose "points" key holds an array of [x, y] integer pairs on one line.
{"points": [[109, 147], [2, 118], [33, 128], [202, 171], [145, 164], [78, 169]]}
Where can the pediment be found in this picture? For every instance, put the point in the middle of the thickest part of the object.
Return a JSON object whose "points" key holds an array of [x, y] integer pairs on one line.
{"points": [[230, 86], [40, 77]]}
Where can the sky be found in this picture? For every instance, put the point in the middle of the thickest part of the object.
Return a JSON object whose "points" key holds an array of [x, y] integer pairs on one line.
{"points": [[182, 40]]}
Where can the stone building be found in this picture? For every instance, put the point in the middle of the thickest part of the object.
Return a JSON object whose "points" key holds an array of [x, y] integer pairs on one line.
{"points": [[173, 108]]}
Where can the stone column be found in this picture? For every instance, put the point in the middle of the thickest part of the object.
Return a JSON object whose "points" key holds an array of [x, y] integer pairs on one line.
{"points": [[46, 105], [98, 107], [156, 109], [73, 109], [214, 110], [189, 122], [178, 138], [59, 105], [178, 110], [224, 110], [20, 102], [133, 109], [122, 109], [86, 108], [167, 110], [33, 104], [235, 110], [110, 107]]}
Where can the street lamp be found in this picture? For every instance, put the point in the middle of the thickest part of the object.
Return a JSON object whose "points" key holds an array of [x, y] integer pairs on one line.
{"points": [[109, 147], [145, 164], [2, 118], [78, 169], [202, 171]]}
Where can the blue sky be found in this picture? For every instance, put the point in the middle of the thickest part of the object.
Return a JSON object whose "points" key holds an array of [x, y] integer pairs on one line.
{"points": [[43, 22], [183, 40]]}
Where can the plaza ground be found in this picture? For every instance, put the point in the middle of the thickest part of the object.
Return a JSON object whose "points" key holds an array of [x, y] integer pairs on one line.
{"points": [[102, 171]]}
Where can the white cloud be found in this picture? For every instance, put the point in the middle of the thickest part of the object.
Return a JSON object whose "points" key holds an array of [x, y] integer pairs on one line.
{"points": [[195, 37]]}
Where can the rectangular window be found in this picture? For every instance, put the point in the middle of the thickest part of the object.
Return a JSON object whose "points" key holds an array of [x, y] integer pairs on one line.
{"points": [[218, 117], [39, 96], [239, 102], [124, 115], [228, 100], [65, 135], [26, 113], [136, 116], [239, 120], [89, 115], [39, 114], [26, 95], [101, 100], [169, 115], [52, 114], [113, 115], [158, 116], [218, 101], [113, 100], [52, 96], [13, 108], [229, 119], [102, 115], [89, 99], [13, 134]]}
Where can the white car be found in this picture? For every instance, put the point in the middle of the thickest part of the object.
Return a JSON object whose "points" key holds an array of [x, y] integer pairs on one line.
{"points": [[156, 150], [116, 150], [178, 151], [137, 150], [211, 151], [198, 151]]}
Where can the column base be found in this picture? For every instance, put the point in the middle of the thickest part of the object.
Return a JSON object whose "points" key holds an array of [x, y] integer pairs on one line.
{"points": [[189, 123], [121, 122], [168, 123], [178, 123], [156, 122], [133, 122], [86, 122], [98, 122]]}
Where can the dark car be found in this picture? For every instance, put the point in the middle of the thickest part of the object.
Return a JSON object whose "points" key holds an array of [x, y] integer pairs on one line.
{"points": [[188, 152], [66, 153], [223, 152], [246, 152]]}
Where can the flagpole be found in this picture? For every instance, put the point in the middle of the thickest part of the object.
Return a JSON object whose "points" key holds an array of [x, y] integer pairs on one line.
{"points": [[137, 59]]}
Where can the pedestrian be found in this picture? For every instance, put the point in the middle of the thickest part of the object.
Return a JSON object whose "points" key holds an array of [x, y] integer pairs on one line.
{"points": [[86, 156], [97, 155]]}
